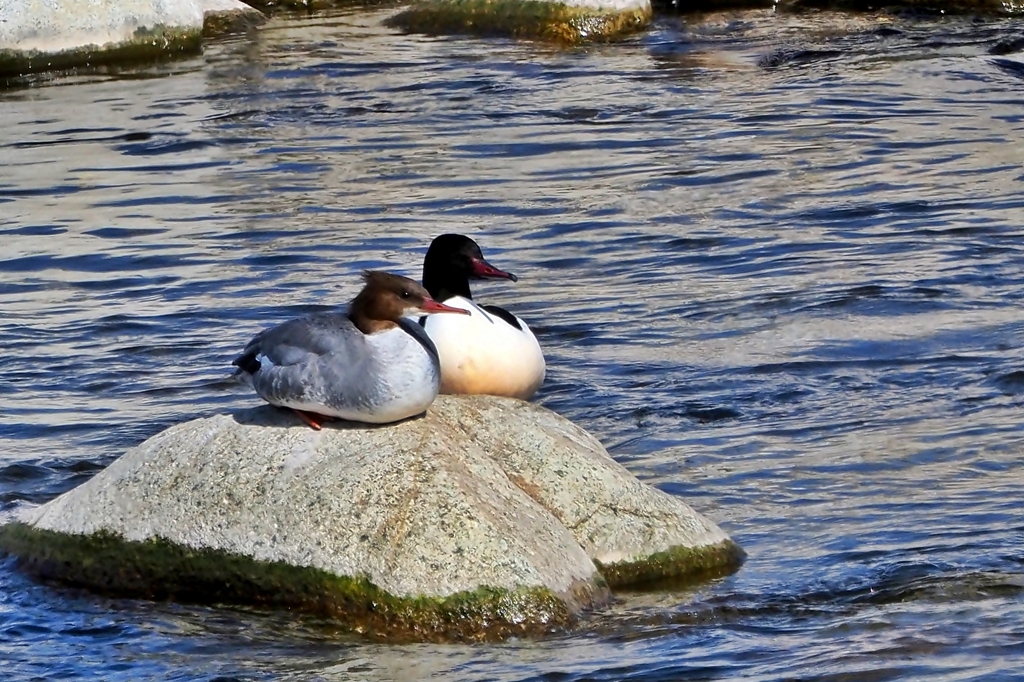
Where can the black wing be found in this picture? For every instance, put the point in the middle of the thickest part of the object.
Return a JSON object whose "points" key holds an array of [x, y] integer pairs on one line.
{"points": [[503, 314]]}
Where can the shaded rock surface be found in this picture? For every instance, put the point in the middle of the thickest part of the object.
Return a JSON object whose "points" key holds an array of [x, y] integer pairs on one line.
{"points": [[616, 518], [487, 516], [229, 16], [565, 21]]}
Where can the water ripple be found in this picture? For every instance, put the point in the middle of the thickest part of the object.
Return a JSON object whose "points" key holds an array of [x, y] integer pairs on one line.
{"points": [[773, 260]]}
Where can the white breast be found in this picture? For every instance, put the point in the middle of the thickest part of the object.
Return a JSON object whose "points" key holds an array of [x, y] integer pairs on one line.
{"points": [[482, 354], [406, 375]]}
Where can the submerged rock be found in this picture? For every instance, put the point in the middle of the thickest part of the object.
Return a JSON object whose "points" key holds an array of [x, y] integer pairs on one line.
{"points": [[38, 35], [787, 55], [1007, 46], [487, 517], [562, 21]]}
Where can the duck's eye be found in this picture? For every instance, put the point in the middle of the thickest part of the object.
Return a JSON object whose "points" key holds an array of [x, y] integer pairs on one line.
{"points": [[406, 294]]}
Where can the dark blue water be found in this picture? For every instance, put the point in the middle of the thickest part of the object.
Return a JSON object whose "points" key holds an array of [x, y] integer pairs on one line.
{"points": [[776, 264]]}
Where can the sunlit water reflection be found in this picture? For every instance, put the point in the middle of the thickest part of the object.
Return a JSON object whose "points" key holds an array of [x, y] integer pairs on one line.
{"points": [[776, 266]]}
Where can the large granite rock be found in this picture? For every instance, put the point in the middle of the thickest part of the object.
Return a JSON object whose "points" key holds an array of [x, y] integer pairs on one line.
{"points": [[42, 35], [487, 517], [561, 21]]}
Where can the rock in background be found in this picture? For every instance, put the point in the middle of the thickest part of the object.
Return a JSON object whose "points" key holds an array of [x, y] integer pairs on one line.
{"points": [[229, 16], [42, 35], [566, 21], [487, 517]]}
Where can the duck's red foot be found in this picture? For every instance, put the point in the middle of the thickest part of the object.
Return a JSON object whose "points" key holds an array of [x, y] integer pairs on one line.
{"points": [[314, 420]]}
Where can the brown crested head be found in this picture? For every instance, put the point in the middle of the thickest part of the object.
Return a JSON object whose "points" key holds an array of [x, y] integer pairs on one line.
{"points": [[386, 298]]}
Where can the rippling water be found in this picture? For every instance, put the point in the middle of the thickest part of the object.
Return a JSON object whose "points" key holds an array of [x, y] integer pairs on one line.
{"points": [[776, 264]]}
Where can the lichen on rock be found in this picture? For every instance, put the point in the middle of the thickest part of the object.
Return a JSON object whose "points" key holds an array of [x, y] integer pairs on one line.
{"points": [[156, 569], [146, 45], [674, 565]]}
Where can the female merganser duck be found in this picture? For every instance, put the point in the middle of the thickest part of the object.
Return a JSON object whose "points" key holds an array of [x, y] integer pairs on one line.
{"points": [[491, 351], [369, 365]]}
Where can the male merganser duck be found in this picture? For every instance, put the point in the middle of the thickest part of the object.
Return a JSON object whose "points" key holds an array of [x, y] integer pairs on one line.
{"points": [[491, 351], [369, 365]]}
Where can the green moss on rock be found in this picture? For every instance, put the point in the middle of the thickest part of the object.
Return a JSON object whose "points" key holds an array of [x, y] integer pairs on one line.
{"points": [[534, 19], [690, 564], [156, 569], [145, 45]]}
